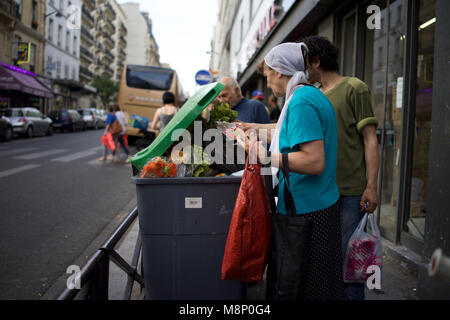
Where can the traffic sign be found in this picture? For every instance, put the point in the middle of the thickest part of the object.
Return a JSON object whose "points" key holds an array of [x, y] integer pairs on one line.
{"points": [[203, 77]]}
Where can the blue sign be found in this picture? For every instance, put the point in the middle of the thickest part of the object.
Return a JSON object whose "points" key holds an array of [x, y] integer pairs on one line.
{"points": [[203, 77]]}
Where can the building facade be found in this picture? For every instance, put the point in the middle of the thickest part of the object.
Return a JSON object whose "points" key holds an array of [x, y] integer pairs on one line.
{"points": [[120, 40], [104, 34], [87, 42], [400, 49], [62, 54], [23, 22], [142, 48]]}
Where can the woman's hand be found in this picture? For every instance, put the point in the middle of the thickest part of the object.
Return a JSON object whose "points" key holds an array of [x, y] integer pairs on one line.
{"points": [[245, 141]]}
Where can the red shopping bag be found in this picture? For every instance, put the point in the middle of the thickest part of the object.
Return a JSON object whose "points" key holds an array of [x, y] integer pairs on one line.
{"points": [[247, 246], [108, 141]]}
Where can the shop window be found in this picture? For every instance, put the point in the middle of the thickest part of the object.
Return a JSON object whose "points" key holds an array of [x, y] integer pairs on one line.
{"points": [[415, 220], [384, 76], [348, 44]]}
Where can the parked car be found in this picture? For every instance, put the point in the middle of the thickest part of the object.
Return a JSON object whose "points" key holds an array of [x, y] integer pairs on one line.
{"points": [[90, 117], [6, 131], [67, 120], [101, 115], [29, 122]]}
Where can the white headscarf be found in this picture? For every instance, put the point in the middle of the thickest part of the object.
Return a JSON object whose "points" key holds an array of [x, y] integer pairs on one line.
{"points": [[287, 59]]}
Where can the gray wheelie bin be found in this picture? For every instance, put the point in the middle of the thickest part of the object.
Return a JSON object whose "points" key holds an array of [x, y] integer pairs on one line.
{"points": [[184, 221], [184, 225]]}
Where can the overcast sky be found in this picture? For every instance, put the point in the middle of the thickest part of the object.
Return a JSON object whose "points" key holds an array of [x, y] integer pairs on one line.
{"points": [[183, 30]]}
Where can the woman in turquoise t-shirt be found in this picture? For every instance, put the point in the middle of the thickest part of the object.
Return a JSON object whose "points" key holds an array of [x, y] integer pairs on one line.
{"points": [[308, 227]]}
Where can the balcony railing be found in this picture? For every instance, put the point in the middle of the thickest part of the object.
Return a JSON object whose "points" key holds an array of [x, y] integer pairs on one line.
{"points": [[87, 34], [11, 7], [88, 15], [110, 10], [108, 69], [122, 52], [89, 3], [109, 40], [122, 38], [109, 55], [86, 52], [123, 28], [85, 71]]}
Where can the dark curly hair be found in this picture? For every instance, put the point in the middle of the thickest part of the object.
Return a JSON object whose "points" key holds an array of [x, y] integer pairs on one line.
{"points": [[321, 49]]}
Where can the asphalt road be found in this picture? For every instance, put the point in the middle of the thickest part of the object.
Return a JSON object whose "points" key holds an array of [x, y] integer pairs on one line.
{"points": [[55, 198]]}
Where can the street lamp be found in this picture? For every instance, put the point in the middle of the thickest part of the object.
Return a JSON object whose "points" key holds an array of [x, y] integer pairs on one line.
{"points": [[58, 14]]}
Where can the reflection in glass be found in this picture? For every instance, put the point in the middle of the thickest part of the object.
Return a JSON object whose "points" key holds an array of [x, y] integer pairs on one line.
{"points": [[389, 111], [415, 222]]}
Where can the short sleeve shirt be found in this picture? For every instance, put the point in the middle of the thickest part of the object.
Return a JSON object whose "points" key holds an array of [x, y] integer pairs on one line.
{"points": [[310, 117], [110, 118], [251, 111], [352, 102]]}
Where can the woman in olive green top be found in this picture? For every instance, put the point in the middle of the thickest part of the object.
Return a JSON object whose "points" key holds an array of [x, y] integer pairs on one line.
{"points": [[358, 156]]}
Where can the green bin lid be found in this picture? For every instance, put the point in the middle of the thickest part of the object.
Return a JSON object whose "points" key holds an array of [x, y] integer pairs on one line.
{"points": [[183, 118]]}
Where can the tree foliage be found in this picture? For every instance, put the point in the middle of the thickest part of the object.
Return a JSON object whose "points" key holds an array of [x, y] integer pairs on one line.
{"points": [[107, 89]]}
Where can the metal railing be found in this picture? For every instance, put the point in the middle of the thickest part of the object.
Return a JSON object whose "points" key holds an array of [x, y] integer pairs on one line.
{"points": [[94, 276]]}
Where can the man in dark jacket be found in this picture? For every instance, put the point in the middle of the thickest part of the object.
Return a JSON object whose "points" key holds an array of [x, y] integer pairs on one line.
{"points": [[251, 111]]}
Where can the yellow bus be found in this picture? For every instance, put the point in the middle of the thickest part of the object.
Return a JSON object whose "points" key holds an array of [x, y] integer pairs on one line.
{"points": [[141, 89]]}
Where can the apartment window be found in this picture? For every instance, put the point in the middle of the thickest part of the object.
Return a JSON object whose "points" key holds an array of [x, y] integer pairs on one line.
{"points": [[242, 30], [50, 29], [59, 35], [67, 40], [74, 74], [66, 72], [58, 69], [75, 42], [33, 58], [49, 66], [17, 39], [34, 12]]}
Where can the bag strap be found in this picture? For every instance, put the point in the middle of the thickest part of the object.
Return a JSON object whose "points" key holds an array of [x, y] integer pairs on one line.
{"points": [[288, 199]]}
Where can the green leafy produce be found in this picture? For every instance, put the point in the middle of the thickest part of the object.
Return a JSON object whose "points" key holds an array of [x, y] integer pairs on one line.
{"points": [[201, 169], [221, 112]]}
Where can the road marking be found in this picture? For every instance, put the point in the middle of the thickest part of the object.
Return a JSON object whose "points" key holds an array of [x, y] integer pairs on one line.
{"points": [[78, 155], [18, 170], [40, 154], [15, 151]]}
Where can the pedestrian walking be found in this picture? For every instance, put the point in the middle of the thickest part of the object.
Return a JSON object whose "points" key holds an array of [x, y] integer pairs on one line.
{"points": [[164, 114], [120, 139], [111, 120], [251, 111], [358, 156], [306, 258]]}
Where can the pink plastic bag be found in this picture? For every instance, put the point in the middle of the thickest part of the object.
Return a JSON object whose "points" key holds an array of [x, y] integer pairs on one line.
{"points": [[364, 250]]}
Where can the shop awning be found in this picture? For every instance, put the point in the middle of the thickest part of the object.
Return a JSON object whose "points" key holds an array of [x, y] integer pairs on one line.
{"points": [[21, 81]]}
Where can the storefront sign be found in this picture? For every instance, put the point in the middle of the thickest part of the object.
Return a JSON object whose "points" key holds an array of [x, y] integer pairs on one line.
{"points": [[269, 21], [23, 52]]}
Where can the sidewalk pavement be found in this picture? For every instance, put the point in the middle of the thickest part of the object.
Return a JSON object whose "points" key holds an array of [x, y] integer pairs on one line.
{"points": [[398, 282]]}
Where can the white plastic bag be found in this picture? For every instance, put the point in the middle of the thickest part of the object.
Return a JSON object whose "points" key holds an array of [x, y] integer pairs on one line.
{"points": [[364, 250]]}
